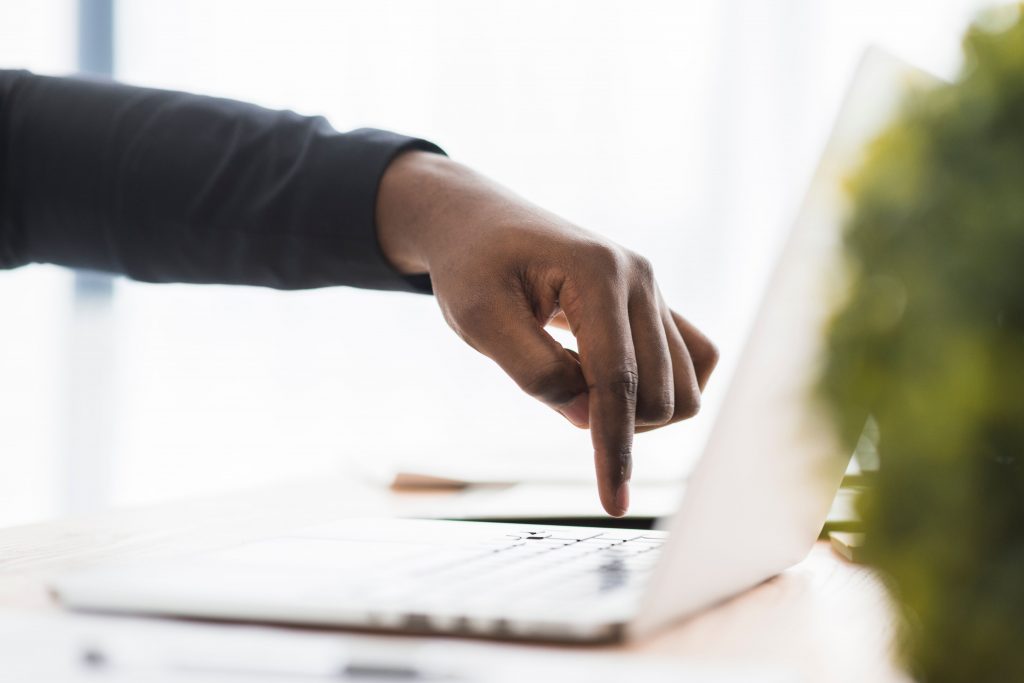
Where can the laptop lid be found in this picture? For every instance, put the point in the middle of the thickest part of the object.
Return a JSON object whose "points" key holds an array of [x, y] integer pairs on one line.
{"points": [[757, 499]]}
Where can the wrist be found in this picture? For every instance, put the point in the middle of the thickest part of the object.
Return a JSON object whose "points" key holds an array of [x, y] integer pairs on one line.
{"points": [[409, 202]]}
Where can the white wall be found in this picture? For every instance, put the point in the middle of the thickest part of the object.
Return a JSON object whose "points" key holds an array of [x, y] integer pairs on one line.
{"points": [[683, 130]]}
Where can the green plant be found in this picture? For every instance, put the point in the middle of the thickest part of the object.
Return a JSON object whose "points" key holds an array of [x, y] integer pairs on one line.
{"points": [[930, 341]]}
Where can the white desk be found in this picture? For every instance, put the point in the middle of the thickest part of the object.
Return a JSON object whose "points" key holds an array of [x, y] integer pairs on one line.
{"points": [[826, 618]]}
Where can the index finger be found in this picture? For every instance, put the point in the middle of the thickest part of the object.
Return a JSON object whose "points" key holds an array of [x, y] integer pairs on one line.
{"points": [[608, 361]]}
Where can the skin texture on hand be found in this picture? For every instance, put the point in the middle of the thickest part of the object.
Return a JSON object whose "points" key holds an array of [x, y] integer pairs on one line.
{"points": [[503, 269]]}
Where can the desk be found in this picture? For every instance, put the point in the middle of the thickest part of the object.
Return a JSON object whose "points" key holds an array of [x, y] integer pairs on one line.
{"points": [[824, 617]]}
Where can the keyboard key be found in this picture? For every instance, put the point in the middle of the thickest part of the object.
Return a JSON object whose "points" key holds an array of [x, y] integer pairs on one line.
{"points": [[623, 535], [473, 586]]}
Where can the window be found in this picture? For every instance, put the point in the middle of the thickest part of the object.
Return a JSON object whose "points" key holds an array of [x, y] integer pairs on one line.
{"points": [[34, 303]]}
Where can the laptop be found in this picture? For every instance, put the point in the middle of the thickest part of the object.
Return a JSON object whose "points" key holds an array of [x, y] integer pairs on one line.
{"points": [[753, 506]]}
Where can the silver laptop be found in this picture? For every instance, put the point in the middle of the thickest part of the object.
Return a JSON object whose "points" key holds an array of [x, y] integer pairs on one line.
{"points": [[753, 506]]}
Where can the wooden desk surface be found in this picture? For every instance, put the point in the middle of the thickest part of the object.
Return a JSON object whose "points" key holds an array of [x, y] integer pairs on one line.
{"points": [[825, 617]]}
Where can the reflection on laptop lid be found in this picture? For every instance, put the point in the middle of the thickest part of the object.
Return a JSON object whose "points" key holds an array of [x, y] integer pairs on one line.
{"points": [[771, 468]]}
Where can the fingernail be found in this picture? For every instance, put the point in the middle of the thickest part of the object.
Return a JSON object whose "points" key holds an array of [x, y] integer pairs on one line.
{"points": [[622, 497], [577, 410]]}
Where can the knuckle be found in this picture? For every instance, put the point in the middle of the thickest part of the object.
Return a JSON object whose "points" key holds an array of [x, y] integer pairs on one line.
{"points": [[642, 267], [623, 385], [607, 259], [688, 405], [705, 356], [657, 412], [711, 356]]}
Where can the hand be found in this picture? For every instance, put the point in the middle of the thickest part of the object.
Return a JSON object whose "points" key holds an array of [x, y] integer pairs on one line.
{"points": [[502, 269]]}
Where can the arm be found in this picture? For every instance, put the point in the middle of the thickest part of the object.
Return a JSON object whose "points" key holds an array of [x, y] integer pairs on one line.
{"points": [[171, 187]]}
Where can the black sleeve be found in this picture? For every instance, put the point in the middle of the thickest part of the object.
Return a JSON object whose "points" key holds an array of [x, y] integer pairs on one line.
{"points": [[170, 187]]}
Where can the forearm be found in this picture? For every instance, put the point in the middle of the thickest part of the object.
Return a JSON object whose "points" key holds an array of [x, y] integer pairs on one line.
{"points": [[170, 187]]}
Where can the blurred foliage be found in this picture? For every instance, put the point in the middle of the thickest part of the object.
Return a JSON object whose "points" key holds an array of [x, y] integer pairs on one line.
{"points": [[930, 341]]}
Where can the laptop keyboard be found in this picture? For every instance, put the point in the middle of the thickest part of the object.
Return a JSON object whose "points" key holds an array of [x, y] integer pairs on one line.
{"points": [[530, 567], [449, 577]]}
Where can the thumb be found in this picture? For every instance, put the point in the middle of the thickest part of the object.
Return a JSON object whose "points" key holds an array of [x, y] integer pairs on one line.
{"points": [[542, 367]]}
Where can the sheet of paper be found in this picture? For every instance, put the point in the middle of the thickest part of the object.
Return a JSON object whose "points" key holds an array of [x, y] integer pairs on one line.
{"points": [[64, 648], [533, 500], [659, 456]]}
